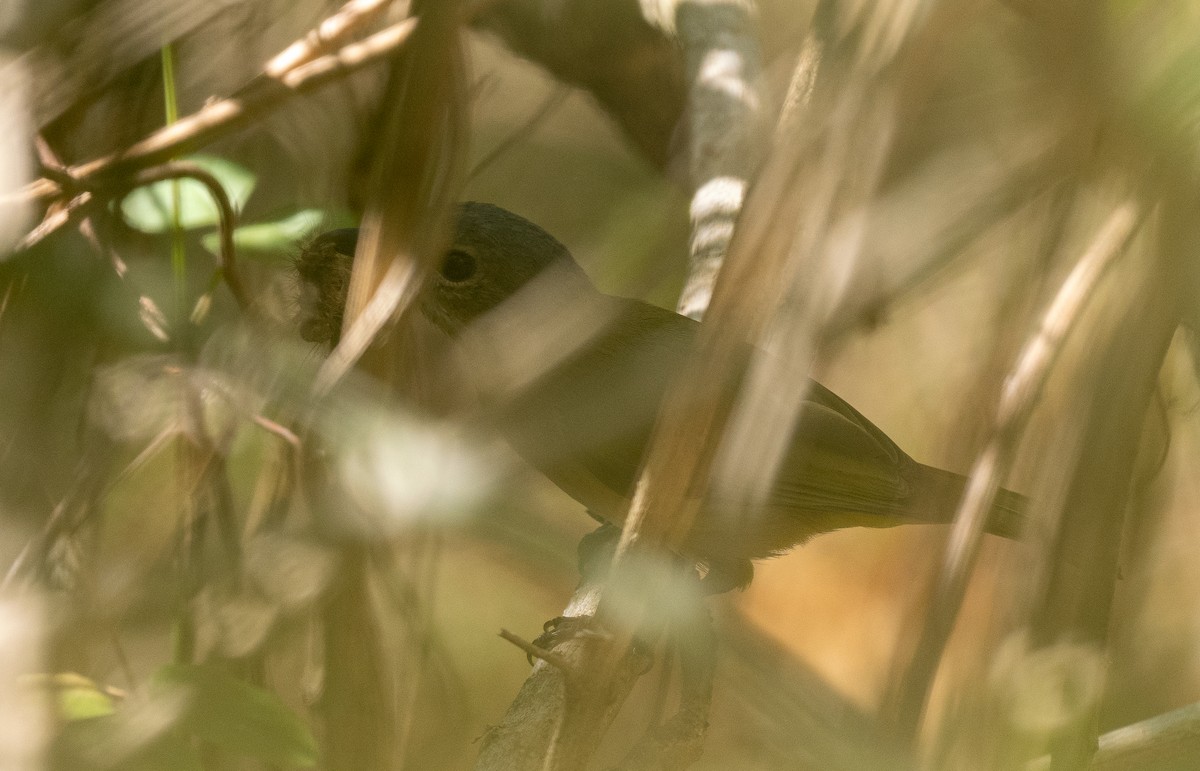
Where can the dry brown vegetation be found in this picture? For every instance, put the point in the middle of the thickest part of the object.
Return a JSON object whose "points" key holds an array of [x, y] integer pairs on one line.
{"points": [[225, 548]]}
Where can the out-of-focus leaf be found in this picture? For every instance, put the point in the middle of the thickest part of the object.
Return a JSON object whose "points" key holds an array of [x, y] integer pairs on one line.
{"points": [[149, 208], [278, 236], [82, 703], [1047, 688], [83, 744], [76, 697], [77, 703], [287, 570], [141, 397], [239, 621], [170, 753], [140, 735], [400, 469], [239, 717]]}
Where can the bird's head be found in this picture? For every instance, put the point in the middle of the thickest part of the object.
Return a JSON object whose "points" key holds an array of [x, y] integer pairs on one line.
{"points": [[493, 255]]}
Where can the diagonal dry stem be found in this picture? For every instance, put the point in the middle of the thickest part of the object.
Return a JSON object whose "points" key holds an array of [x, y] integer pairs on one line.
{"points": [[1020, 395], [221, 117]]}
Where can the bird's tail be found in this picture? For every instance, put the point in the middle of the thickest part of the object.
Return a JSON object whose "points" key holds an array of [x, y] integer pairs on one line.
{"points": [[940, 492]]}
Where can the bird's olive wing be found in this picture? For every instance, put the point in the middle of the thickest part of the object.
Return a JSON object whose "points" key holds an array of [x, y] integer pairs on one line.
{"points": [[839, 461], [593, 415]]}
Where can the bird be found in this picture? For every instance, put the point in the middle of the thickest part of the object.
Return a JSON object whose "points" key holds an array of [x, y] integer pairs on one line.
{"points": [[586, 424]]}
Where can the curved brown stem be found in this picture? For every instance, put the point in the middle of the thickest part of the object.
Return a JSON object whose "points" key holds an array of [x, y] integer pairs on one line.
{"points": [[226, 216]]}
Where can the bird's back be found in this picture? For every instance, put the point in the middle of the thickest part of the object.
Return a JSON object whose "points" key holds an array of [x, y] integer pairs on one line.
{"points": [[593, 414], [587, 426]]}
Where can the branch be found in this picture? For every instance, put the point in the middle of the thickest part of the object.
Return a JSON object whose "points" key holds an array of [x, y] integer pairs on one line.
{"points": [[226, 255], [633, 69], [412, 184], [677, 743], [534, 651], [723, 63], [221, 117], [1170, 740], [1021, 393], [330, 32]]}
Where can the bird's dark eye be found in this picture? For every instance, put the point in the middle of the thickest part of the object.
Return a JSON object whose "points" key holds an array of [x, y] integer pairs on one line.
{"points": [[458, 266]]}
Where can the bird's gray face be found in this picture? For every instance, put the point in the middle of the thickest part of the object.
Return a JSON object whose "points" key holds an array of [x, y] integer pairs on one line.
{"points": [[461, 289], [494, 254]]}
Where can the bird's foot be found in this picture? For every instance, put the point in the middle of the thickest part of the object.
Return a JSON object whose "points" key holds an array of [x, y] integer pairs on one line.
{"points": [[726, 575], [561, 629]]}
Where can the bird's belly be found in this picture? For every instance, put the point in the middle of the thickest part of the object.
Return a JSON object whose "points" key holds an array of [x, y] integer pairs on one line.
{"points": [[728, 532]]}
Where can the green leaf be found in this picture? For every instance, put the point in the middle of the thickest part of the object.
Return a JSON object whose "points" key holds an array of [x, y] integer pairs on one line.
{"points": [[148, 208], [276, 236], [83, 702], [75, 696], [239, 717]]}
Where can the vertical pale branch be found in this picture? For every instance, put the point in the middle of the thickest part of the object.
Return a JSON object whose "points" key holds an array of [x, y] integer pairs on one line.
{"points": [[721, 48], [721, 51], [357, 696], [670, 492], [811, 213]]}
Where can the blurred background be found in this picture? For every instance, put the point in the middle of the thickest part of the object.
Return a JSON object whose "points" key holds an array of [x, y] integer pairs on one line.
{"points": [[175, 579]]}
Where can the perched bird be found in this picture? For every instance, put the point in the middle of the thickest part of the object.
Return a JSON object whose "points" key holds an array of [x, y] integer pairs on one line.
{"points": [[586, 423]]}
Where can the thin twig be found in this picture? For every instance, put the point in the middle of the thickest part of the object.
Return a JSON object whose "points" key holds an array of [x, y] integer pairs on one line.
{"points": [[550, 657], [278, 429], [330, 32], [81, 203], [38, 547], [54, 167], [350, 58], [223, 116], [88, 230], [55, 219], [226, 217]]}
